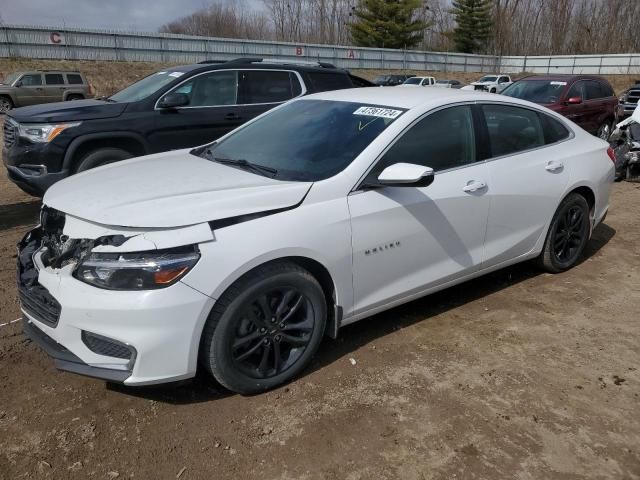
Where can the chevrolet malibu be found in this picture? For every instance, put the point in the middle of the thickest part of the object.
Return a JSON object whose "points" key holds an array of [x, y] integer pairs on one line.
{"points": [[240, 255]]}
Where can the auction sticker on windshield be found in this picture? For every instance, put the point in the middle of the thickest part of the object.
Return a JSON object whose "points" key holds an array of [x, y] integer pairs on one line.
{"points": [[378, 112], [557, 83]]}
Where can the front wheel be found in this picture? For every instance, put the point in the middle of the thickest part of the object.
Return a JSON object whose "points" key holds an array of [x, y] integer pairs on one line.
{"points": [[5, 104], [102, 156], [604, 131], [567, 236], [264, 329]]}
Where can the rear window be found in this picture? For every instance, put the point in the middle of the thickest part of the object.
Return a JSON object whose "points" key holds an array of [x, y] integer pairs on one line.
{"points": [[74, 79], [53, 79], [323, 82]]}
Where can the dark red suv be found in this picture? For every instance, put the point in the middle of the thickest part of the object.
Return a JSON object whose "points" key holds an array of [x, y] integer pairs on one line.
{"points": [[587, 100]]}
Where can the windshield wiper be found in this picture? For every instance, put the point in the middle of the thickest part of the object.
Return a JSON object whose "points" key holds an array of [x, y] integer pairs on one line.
{"points": [[239, 162]]}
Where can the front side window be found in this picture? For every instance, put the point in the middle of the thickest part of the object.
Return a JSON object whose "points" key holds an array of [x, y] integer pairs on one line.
{"points": [[512, 129], [576, 90], [211, 89], [54, 79], [268, 86], [488, 78], [305, 140], [31, 80], [441, 140]]}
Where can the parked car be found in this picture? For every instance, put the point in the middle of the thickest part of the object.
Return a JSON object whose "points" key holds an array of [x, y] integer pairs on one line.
{"points": [[625, 140], [628, 102], [42, 86], [490, 83], [175, 108], [243, 254], [391, 80], [419, 82], [449, 84], [587, 100]]}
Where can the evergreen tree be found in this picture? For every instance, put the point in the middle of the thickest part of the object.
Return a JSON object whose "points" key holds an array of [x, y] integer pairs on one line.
{"points": [[388, 23], [474, 24]]}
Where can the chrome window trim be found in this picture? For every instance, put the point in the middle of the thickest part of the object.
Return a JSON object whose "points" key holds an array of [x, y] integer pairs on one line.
{"points": [[297, 74], [480, 103]]}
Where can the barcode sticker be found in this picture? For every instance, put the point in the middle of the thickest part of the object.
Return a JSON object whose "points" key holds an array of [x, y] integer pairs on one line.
{"points": [[378, 112]]}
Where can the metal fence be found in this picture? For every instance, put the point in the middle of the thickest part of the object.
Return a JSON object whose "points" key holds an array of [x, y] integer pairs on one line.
{"points": [[107, 45]]}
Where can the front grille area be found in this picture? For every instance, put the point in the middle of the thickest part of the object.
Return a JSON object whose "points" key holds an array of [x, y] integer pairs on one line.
{"points": [[107, 347], [39, 303], [10, 132], [633, 96]]}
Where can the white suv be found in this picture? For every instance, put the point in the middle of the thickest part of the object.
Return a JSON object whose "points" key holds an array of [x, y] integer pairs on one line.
{"points": [[242, 254]]}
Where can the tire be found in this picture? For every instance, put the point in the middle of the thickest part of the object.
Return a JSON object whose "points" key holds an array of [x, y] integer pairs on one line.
{"points": [[567, 236], [604, 130], [70, 98], [629, 175], [5, 104], [100, 157], [294, 300]]}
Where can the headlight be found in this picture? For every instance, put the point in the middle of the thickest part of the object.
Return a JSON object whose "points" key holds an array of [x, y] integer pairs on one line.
{"points": [[44, 132], [136, 271]]}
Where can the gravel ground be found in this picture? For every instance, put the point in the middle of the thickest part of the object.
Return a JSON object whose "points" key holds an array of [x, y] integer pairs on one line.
{"points": [[519, 375]]}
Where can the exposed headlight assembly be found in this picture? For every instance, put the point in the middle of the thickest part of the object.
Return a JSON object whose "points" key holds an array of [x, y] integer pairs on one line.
{"points": [[44, 132], [137, 271]]}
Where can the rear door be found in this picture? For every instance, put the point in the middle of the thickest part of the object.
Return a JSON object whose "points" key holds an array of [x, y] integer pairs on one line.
{"points": [[527, 175], [31, 90], [595, 105], [54, 87]]}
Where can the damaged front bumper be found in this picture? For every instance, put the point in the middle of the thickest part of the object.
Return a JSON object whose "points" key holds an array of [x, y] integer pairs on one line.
{"points": [[133, 337]]}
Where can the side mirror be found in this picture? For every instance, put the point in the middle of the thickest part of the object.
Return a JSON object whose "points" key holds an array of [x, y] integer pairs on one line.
{"points": [[18, 83], [406, 175], [174, 100], [574, 101]]}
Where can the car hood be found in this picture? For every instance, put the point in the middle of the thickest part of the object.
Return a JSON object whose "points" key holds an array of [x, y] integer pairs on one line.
{"points": [[170, 189], [482, 83], [68, 111]]}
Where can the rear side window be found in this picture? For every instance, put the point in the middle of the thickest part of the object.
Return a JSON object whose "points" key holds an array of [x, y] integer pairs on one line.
{"points": [[323, 82], [30, 80], [554, 131], [442, 140], [512, 129], [265, 86], [594, 90], [606, 89], [54, 79], [74, 79]]}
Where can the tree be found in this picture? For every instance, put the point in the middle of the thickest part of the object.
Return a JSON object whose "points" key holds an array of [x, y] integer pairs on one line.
{"points": [[388, 23], [474, 24]]}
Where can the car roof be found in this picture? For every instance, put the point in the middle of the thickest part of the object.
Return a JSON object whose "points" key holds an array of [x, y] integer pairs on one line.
{"points": [[259, 64], [565, 77], [406, 98]]}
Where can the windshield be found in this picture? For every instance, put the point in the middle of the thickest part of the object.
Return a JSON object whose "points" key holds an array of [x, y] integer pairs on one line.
{"points": [[10, 79], [488, 79], [305, 140], [413, 81], [537, 91], [145, 87]]}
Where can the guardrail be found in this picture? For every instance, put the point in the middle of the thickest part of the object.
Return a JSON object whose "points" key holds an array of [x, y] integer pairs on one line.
{"points": [[108, 45]]}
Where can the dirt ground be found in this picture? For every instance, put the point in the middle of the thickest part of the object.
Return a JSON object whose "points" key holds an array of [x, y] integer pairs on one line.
{"points": [[519, 375]]}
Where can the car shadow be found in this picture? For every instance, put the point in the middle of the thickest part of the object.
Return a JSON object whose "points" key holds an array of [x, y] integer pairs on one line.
{"points": [[19, 214], [353, 337]]}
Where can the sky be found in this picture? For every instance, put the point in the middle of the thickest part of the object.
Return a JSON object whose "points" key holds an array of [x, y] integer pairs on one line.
{"points": [[136, 15]]}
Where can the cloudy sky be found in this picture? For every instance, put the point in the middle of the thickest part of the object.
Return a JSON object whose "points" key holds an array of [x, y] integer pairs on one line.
{"points": [[138, 15]]}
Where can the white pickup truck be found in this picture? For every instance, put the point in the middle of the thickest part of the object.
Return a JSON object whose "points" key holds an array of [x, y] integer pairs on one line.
{"points": [[419, 82], [490, 83]]}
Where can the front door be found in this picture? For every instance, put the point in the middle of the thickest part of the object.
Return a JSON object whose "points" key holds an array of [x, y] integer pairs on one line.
{"points": [[409, 239], [30, 91]]}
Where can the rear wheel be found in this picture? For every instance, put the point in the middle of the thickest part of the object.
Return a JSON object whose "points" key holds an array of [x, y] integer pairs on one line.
{"points": [[567, 236], [74, 97], [264, 329], [5, 104], [102, 156]]}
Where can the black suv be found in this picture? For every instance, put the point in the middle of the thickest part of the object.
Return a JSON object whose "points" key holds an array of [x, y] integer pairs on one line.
{"points": [[179, 107], [391, 80]]}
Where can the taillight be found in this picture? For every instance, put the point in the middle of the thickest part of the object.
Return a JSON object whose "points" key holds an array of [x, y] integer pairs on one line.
{"points": [[612, 154], [91, 90]]}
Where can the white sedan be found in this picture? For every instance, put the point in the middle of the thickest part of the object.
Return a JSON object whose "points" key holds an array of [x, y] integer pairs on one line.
{"points": [[239, 256]]}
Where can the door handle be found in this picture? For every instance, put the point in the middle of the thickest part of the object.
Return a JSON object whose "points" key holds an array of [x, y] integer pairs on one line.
{"points": [[474, 186], [232, 116], [554, 166]]}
